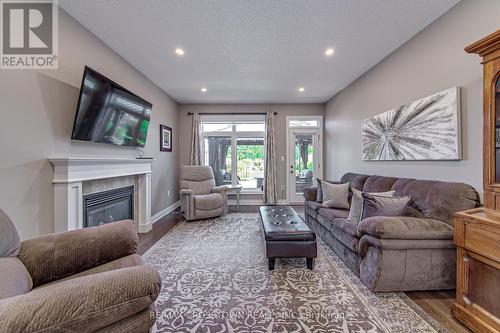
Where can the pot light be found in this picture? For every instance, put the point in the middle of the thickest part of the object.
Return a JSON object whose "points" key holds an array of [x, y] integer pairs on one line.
{"points": [[179, 51], [329, 52], [301, 89], [204, 89]]}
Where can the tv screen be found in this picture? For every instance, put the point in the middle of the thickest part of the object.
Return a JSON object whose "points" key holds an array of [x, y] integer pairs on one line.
{"points": [[109, 113]]}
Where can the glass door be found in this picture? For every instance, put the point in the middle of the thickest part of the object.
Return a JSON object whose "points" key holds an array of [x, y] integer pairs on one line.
{"points": [[304, 158]]}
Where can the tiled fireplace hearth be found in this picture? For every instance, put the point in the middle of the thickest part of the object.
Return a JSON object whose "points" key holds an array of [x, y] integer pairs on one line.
{"points": [[76, 180]]}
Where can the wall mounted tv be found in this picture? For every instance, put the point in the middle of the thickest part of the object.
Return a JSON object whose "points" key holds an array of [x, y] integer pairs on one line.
{"points": [[109, 113]]}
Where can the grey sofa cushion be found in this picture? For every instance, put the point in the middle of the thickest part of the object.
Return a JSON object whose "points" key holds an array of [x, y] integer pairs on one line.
{"points": [[14, 277], [374, 205], [400, 227], [335, 195], [357, 203], [332, 213], [10, 242]]}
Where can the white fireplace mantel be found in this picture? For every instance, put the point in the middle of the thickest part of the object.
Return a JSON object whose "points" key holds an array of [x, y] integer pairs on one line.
{"points": [[70, 173]]}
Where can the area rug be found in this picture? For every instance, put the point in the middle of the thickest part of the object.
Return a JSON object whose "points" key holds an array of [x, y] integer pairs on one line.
{"points": [[216, 279]]}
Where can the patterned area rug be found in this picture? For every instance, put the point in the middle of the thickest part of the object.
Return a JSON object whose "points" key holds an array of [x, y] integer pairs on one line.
{"points": [[215, 279]]}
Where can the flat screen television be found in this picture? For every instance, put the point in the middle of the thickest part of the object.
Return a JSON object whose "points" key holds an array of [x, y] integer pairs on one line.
{"points": [[109, 113]]}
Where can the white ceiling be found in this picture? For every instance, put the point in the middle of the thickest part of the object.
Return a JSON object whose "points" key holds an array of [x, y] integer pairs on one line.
{"points": [[257, 51]]}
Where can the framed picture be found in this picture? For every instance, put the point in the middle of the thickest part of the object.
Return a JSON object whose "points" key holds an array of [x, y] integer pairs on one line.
{"points": [[165, 138]]}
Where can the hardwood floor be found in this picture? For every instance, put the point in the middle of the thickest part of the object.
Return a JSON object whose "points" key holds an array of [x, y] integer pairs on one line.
{"points": [[436, 303]]}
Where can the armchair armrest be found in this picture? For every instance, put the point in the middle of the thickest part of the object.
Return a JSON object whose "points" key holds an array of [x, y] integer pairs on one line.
{"points": [[186, 192], [52, 257], [87, 303], [187, 203], [220, 189], [310, 193], [404, 227]]}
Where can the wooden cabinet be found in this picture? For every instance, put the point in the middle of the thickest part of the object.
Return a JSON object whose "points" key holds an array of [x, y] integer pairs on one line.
{"points": [[477, 236], [489, 49], [477, 231]]}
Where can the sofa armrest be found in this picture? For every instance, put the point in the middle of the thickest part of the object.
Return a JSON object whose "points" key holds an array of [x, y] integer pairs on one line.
{"points": [[55, 256], [220, 189], [310, 193], [87, 303], [403, 227]]}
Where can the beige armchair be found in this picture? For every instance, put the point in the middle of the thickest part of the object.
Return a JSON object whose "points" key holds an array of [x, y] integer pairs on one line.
{"points": [[87, 280], [200, 198]]}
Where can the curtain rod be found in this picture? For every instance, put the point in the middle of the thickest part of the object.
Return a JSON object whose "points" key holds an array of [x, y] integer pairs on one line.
{"points": [[231, 113]]}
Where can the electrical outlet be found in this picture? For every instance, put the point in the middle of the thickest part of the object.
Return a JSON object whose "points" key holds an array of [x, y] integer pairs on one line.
{"points": [[168, 193]]}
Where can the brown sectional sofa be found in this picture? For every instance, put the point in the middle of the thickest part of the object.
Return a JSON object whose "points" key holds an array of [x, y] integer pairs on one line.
{"points": [[412, 252]]}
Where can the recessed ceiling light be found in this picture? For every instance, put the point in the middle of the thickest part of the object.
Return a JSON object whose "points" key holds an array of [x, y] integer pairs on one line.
{"points": [[204, 89], [329, 51], [179, 51], [301, 89]]}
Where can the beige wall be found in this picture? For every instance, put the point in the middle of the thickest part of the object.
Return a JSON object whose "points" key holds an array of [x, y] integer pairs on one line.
{"points": [[37, 110], [431, 61], [283, 111]]}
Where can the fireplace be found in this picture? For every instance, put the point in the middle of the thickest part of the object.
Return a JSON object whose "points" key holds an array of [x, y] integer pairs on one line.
{"points": [[108, 206]]}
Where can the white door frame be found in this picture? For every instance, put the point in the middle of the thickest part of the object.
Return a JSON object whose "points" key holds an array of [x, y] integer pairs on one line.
{"points": [[319, 130]]}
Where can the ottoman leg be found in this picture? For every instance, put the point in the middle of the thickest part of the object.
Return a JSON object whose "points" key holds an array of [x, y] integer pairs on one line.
{"points": [[310, 263], [271, 263]]}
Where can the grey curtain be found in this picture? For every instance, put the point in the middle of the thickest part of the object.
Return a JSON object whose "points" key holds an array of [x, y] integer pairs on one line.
{"points": [[195, 155], [270, 189]]}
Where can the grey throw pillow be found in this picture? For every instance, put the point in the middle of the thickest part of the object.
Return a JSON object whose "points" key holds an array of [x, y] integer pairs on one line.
{"points": [[374, 205], [335, 195], [319, 193], [357, 203]]}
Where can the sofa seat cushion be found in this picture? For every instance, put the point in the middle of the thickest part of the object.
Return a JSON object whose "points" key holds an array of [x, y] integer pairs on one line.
{"points": [[312, 208], [331, 213], [325, 222], [208, 201], [345, 231], [402, 227]]}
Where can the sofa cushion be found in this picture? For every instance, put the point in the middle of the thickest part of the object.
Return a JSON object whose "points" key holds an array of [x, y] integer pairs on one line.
{"points": [[374, 205], [335, 195], [325, 222], [208, 201], [357, 203], [346, 232], [312, 208], [400, 227], [14, 277], [332, 213], [10, 242]]}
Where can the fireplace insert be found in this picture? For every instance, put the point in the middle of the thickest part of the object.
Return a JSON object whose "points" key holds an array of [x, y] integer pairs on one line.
{"points": [[108, 206]]}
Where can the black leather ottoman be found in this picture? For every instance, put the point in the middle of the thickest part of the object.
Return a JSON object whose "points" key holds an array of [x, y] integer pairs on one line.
{"points": [[286, 235]]}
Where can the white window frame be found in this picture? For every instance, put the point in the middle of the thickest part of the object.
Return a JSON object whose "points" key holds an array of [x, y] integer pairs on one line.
{"points": [[234, 119], [319, 119]]}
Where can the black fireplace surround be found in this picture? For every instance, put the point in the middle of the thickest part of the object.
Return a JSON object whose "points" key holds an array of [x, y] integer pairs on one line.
{"points": [[108, 206]]}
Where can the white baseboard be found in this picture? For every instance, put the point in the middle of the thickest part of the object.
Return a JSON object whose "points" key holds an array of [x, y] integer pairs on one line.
{"points": [[254, 202], [165, 211]]}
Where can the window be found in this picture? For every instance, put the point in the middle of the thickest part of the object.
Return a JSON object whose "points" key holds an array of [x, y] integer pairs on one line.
{"points": [[235, 149]]}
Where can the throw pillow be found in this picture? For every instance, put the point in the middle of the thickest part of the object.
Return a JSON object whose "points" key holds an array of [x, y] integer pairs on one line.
{"points": [[357, 203], [374, 205], [319, 193], [335, 195]]}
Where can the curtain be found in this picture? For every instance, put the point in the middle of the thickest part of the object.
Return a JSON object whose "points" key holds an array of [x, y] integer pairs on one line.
{"points": [[195, 156], [270, 190]]}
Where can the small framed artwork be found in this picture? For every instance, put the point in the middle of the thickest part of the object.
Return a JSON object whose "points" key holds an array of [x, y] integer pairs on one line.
{"points": [[165, 138]]}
